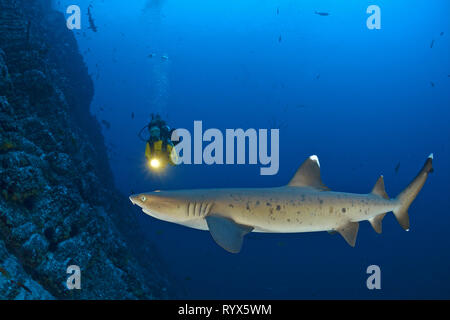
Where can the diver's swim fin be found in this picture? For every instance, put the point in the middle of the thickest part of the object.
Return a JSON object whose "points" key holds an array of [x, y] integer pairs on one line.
{"points": [[227, 233]]}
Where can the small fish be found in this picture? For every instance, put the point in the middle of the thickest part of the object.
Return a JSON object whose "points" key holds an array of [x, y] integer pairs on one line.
{"points": [[318, 77], [151, 55], [132, 115], [432, 44], [187, 278], [92, 25], [432, 84], [28, 30], [397, 167], [278, 11], [164, 57], [324, 14], [5, 273], [8, 276], [442, 33], [279, 38], [22, 286], [106, 124]]}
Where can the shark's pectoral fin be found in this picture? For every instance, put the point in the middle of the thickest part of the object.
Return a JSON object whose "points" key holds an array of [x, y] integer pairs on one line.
{"points": [[227, 233], [349, 232]]}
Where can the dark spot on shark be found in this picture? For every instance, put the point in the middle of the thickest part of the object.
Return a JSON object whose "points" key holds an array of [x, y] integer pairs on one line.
{"points": [[268, 204], [278, 207]]}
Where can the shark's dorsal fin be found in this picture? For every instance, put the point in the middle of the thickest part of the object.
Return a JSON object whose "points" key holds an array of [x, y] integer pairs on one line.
{"points": [[308, 175], [379, 190], [227, 233]]}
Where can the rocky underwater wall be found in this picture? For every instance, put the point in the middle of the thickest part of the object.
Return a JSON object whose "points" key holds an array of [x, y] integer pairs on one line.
{"points": [[58, 204]]}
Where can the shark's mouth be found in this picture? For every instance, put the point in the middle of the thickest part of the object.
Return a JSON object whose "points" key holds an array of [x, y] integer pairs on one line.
{"points": [[132, 200]]}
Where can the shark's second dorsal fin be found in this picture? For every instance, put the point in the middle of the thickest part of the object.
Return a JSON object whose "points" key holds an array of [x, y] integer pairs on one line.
{"points": [[308, 175], [379, 190]]}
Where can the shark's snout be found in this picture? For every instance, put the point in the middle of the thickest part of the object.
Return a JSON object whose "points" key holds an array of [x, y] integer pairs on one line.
{"points": [[138, 199]]}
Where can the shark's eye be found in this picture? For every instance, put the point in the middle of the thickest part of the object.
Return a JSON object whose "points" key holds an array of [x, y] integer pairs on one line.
{"points": [[143, 198]]}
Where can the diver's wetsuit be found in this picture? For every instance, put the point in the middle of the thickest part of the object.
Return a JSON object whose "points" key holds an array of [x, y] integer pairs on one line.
{"points": [[159, 143]]}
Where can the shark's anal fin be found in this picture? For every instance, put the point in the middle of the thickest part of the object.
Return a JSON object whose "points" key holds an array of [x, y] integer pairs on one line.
{"points": [[379, 190], [349, 231], [227, 233], [376, 222], [308, 175]]}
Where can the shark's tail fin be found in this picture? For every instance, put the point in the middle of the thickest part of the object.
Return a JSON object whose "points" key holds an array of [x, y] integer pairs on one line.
{"points": [[407, 196]]}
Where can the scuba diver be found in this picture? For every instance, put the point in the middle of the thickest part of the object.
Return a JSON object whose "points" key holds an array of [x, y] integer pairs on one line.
{"points": [[159, 148]]}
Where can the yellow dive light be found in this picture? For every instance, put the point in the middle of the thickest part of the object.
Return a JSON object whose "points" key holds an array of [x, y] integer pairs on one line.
{"points": [[155, 163], [158, 156]]}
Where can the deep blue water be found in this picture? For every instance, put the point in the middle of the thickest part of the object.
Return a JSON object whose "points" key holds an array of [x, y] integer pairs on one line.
{"points": [[362, 100]]}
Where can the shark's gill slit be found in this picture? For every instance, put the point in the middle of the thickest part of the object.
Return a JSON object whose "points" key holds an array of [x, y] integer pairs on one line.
{"points": [[197, 209], [203, 209], [188, 208], [208, 208], [192, 209]]}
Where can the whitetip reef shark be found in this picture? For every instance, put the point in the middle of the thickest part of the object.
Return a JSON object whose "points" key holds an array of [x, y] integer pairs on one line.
{"points": [[304, 205]]}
